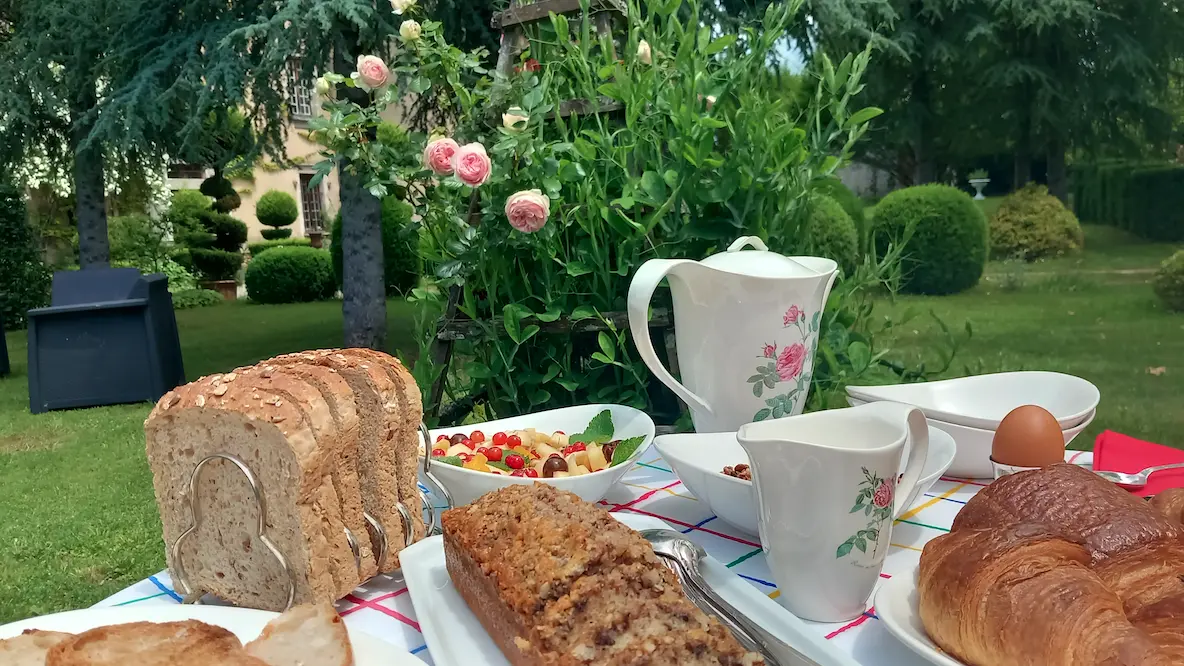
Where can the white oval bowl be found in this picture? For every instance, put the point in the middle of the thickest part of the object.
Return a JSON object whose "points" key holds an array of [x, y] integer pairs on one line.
{"points": [[973, 459], [981, 401], [699, 459], [466, 485]]}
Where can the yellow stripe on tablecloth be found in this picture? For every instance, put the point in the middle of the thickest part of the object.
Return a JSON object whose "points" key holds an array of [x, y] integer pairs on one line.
{"points": [[914, 511], [669, 490], [901, 545]]}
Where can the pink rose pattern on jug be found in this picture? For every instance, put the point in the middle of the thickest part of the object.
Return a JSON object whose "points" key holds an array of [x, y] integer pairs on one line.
{"points": [[875, 501], [785, 369]]}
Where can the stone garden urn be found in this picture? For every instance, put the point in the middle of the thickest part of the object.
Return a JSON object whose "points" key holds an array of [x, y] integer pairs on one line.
{"points": [[978, 184]]}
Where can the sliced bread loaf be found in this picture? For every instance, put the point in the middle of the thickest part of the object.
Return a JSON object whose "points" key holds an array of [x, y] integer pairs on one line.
{"points": [[30, 648], [273, 437], [188, 643], [311, 635]]}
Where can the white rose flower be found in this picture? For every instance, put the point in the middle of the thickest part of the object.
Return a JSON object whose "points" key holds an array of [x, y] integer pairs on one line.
{"points": [[515, 119], [323, 86], [410, 30], [644, 53], [401, 6]]}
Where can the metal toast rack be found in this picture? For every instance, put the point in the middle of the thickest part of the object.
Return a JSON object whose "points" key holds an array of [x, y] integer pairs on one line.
{"points": [[193, 596]]}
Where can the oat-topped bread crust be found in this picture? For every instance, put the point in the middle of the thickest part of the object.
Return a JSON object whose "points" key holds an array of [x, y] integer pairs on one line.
{"points": [[273, 436], [558, 582]]}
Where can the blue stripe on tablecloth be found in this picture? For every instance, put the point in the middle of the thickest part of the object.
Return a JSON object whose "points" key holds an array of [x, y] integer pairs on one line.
{"points": [[164, 588], [701, 523]]}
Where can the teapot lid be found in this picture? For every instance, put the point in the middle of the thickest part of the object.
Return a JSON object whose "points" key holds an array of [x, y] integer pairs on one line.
{"points": [[759, 261]]}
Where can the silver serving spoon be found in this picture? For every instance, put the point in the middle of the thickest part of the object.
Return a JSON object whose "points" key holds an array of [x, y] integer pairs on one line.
{"points": [[1136, 480], [672, 545]]}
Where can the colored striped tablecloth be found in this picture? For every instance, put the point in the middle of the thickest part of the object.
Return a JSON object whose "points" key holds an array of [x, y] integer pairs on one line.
{"points": [[384, 609]]}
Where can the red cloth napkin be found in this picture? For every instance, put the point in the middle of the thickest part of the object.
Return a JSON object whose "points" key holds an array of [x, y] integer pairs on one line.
{"points": [[1115, 452]]}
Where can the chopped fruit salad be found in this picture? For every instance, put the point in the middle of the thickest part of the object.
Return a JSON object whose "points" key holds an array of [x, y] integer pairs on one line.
{"points": [[536, 454]]}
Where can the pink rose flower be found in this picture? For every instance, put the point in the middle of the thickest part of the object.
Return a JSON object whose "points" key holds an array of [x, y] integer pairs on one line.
{"points": [[471, 164], [373, 72], [438, 154], [528, 210], [792, 315], [789, 363], [771, 351]]}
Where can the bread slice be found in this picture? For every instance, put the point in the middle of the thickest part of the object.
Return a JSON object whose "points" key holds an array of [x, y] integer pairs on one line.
{"points": [[311, 635], [377, 401], [344, 408], [405, 424], [273, 437], [30, 648], [188, 643]]}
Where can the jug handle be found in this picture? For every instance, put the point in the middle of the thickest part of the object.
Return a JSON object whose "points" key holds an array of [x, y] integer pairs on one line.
{"points": [[918, 451], [641, 292]]}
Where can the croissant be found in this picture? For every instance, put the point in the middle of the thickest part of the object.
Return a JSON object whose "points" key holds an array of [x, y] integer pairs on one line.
{"points": [[1170, 503], [1024, 596], [1064, 559]]}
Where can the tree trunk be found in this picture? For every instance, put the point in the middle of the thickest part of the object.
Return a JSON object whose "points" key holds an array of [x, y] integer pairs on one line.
{"points": [[363, 285], [924, 169], [1058, 180], [1023, 143], [90, 207]]}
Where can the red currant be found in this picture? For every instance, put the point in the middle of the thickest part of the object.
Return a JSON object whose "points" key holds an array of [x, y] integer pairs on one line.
{"points": [[574, 448], [469, 443], [517, 472], [477, 436], [499, 438], [465, 457], [560, 432], [439, 453], [493, 453], [513, 440], [515, 461], [532, 473], [440, 438]]}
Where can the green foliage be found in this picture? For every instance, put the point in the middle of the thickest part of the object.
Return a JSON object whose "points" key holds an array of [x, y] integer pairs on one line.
{"points": [[229, 233], [185, 209], [944, 235], [832, 233], [214, 264], [401, 262], [1032, 224], [258, 248], [275, 234], [1169, 282], [276, 209], [196, 298], [24, 279], [1153, 200], [180, 277], [291, 275], [140, 241], [853, 205], [222, 192]]}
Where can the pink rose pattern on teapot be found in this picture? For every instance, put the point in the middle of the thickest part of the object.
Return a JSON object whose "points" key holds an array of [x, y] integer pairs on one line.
{"points": [[785, 367]]}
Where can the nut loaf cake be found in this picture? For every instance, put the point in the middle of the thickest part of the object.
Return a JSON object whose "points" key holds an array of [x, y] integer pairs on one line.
{"points": [[556, 581]]}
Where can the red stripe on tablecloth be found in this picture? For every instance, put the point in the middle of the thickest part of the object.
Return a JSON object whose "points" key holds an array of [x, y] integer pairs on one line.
{"points": [[694, 527], [640, 499], [854, 623], [957, 480], [362, 603]]}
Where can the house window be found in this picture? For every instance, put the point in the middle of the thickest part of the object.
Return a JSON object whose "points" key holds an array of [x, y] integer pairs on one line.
{"points": [[181, 170], [311, 203], [299, 93]]}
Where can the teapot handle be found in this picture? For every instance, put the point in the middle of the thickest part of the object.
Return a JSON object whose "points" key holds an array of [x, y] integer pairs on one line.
{"points": [[753, 241], [641, 292]]}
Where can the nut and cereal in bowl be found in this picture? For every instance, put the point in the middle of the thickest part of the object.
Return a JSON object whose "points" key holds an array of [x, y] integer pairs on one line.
{"points": [[584, 450]]}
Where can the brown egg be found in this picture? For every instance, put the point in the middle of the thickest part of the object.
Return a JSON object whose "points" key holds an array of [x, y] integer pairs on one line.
{"points": [[1028, 436]]}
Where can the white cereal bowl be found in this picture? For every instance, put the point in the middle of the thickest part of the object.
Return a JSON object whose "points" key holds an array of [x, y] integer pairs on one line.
{"points": [[466, 485], [973, 459], [981, 401], [699, 460]]}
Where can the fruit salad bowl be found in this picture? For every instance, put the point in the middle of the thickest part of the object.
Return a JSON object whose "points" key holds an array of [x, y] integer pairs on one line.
{"points": [[602, 424]]}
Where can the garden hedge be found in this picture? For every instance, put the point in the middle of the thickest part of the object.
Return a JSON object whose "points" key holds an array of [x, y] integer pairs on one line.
{"points": [[400, 257], [214, 264], [947, 237], [291, 275], [1032, 224], [1169, 282], [196, 298], [24, 278], [832, 232], [1143, 198], [259, 247]]}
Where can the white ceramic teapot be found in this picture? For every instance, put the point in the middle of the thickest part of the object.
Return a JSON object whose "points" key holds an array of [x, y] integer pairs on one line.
{"points": [[746, 326]]}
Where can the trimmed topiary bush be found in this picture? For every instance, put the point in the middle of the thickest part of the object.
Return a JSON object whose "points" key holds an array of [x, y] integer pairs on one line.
{"points": [[222, 192], [276, 209], [214, 265], [853, 205], [833, 233], [400, 258], [196, 298], [947, 237], [24, 278], [291, 275], [275, 234], [229, 233], [1169, 282], [259, 247], [185, 211], [1032, 224]]}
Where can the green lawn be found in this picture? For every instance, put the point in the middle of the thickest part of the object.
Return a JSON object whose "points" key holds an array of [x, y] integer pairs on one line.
{"points": [[80, 520]]}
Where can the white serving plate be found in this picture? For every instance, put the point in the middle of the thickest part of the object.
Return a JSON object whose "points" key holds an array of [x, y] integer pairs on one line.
{"points": [[973, 457], [699, 459], [898, 606], [243, 622], [456, 638], [982, 401], [466, 485]]}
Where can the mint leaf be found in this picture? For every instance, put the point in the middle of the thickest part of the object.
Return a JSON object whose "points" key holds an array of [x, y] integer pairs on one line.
{"points": [[625, 450], [599, 430], [500, 465], [450, 460]]}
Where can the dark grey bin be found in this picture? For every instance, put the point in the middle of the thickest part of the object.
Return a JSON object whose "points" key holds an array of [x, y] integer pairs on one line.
{"points": [[110, 337]]}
